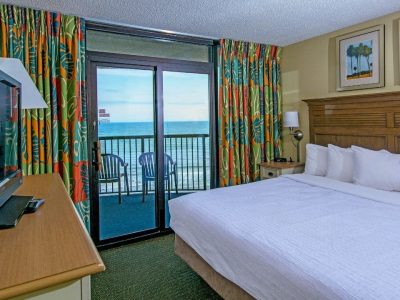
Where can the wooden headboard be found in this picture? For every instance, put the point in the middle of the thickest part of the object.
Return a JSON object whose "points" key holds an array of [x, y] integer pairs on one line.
{"points": [[371, 121]]}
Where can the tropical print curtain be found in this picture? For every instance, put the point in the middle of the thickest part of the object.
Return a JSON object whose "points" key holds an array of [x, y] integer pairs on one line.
{"points": [[10, 130], [52, 48], [249, 112]]}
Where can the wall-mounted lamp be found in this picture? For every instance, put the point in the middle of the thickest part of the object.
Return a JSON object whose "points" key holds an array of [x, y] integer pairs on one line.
{"points": [[291, 121], [30, 96]]}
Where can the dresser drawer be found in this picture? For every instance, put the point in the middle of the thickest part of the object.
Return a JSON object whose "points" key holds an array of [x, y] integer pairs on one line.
{"points": [[295, 170], [267, 173], [270, 170]]}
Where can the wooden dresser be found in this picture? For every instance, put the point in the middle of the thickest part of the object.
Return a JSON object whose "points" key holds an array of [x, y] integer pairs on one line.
{"points": [[49, 254]]}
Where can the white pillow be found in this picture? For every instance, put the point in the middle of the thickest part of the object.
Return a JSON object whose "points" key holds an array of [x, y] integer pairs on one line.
{"points": [[316, 160], [340, 163], [376, 169]]}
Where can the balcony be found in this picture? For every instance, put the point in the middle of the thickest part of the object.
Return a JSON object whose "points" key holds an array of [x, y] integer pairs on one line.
{"points": [[190, 152]]}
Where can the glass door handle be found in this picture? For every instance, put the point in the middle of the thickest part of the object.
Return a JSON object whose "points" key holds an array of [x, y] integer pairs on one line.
{"points": [[97, 161]]}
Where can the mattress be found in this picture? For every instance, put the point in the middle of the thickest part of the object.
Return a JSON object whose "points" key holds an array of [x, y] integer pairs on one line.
{"points": [[297, 237]]}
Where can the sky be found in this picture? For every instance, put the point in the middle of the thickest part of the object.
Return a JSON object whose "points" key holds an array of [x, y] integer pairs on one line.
{"points": [[127, 94]]}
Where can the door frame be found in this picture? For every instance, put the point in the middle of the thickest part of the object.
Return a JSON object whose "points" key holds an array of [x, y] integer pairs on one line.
{"points": [[95, 59]]}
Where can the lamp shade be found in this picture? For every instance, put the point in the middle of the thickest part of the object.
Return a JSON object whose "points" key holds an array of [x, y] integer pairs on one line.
{"points": [[291, 119], [30, 95]]}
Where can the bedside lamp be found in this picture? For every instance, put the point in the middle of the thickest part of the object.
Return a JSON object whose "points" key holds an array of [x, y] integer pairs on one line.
{"points": [[291, 121], [30, 95]]}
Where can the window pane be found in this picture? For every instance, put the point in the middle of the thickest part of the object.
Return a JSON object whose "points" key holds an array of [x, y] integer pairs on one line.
{"points": [[187, 134], [133, 45]]}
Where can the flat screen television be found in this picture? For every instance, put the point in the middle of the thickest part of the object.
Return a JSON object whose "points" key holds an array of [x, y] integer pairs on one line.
{"points": [[10, 137]]}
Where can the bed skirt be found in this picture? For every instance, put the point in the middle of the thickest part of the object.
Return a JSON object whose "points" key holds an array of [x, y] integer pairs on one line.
{"points": [[224, 287]]}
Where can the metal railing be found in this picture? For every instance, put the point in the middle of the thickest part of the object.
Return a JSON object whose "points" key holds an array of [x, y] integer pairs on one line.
{"points": [[189, 151]]}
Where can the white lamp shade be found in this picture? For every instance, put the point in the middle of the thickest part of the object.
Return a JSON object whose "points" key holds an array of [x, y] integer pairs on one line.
{"points": [[30, 95], [291, 119]]}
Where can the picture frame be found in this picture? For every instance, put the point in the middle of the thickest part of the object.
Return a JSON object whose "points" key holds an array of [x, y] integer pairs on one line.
{"points": [[360, 59], [398, 50]]}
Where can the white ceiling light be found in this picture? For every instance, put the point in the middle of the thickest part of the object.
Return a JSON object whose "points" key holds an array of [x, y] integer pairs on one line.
{"points": [[30, 95]]}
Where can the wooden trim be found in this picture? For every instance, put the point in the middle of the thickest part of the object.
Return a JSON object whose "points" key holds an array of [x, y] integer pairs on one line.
{"points": [[373, 97], [369, 120], [53, 280]]}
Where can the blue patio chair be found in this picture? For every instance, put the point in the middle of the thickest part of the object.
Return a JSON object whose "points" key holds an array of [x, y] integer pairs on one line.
{"points": [[147, 161], [110, 171]]}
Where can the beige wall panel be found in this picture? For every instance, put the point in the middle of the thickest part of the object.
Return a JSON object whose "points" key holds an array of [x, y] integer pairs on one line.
{"points": [[309, 71]]}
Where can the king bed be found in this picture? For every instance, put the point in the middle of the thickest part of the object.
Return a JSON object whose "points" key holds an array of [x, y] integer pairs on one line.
{"points": [[302, 236]]}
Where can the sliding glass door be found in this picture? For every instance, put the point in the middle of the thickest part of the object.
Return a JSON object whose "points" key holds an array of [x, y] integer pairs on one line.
{"points": [[125, 99], [186, 133], [124, 146], [150, 140]]}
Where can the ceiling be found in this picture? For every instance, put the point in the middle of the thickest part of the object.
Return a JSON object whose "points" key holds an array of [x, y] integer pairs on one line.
{"points": [[279, 22]]}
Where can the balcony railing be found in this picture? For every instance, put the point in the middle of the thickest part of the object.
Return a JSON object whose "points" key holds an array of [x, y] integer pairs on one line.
{"points": [[189, 151]]}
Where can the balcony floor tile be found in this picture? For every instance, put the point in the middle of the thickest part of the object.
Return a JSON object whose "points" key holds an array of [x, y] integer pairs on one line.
{"points": [[132, 215]]}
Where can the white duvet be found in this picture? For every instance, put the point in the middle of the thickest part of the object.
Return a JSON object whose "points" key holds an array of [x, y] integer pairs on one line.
{"points": [[297, 237]]}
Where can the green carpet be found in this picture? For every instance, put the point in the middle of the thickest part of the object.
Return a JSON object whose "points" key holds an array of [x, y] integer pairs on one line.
{"points": [[148, 270]]}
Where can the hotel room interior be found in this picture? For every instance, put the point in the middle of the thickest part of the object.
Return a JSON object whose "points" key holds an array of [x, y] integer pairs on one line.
{"points": [[199, 149]]}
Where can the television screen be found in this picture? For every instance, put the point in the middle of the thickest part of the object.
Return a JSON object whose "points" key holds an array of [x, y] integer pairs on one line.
{"points": [[9, 137]]}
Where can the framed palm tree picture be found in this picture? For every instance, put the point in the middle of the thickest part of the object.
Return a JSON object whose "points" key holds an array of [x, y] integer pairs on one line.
{"points": [[360, 59]]}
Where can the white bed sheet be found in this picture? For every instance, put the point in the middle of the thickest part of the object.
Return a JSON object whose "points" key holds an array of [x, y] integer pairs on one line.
{"points": [[297, 237]]}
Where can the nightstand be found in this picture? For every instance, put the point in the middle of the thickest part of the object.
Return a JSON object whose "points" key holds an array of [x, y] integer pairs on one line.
{"points": [[270, 170]]}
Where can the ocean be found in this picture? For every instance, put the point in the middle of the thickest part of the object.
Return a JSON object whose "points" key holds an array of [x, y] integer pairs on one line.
{"points": [[191, 154], [147, 128]]}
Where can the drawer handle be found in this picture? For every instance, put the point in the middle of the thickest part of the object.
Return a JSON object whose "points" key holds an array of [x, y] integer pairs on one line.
{"points": [[270, 174]]}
